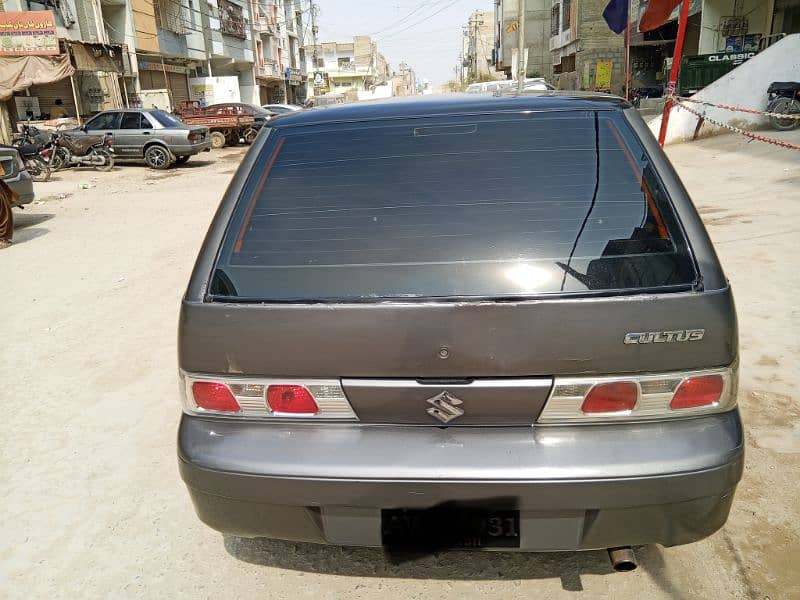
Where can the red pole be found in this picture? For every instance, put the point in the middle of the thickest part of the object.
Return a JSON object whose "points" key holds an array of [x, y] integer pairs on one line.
{"points": [[628, 55], [675, 71]]}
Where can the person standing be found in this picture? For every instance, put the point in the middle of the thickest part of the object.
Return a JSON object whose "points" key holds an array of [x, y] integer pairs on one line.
{"points": [[7, 199]]}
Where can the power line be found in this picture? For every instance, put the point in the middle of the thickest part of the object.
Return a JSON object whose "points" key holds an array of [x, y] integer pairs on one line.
{"points": [[445, 7], [408, 16]]}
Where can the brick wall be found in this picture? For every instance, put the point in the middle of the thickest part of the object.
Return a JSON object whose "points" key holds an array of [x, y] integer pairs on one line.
{"points": [[596, 42]]}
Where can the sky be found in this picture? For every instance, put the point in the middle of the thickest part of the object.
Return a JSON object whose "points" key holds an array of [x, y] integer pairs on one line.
{"points": [[426, 34]]}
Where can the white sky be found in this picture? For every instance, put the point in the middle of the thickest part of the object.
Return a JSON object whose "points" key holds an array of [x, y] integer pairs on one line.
{"points": [[424, 34]]}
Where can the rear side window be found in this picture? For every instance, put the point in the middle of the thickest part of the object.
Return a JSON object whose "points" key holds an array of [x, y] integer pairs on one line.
{"points": [[507, 205]]}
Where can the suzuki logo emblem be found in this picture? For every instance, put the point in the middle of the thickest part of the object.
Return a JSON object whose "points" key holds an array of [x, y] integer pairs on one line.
{"points": [[445, 407]]}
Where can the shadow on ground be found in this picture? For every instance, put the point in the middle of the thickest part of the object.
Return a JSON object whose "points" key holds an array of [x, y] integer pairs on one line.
{"points": [[443, 565], [25, 226]]}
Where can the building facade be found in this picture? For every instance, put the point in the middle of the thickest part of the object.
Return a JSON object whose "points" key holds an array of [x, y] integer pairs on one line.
{"points": [[478, 51], [346, 67], [163, 53], [537, 37]]}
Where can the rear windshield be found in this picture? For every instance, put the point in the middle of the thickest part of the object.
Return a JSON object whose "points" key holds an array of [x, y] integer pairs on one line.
{"points": [[504, 205], [166, 119]]}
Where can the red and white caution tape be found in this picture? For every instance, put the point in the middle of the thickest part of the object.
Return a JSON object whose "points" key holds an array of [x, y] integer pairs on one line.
{"points": [[752, 111], [749, 134]]}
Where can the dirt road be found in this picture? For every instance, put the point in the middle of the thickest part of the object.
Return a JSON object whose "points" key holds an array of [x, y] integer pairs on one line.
{"points": [[92, 504]]}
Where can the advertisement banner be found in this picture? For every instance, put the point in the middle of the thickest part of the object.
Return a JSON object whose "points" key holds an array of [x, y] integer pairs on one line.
{"points": [[31, 33]]}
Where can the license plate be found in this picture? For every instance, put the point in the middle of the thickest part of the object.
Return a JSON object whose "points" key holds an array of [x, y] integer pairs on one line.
{"points": [[450, 528]]}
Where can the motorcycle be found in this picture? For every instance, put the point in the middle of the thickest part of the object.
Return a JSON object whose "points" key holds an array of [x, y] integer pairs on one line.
{"points": [[55, 155], [784, 99], [89, 150], [30, 146]]}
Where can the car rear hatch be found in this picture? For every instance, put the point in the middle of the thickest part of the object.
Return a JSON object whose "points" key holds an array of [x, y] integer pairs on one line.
{"points": [[447, 270]]}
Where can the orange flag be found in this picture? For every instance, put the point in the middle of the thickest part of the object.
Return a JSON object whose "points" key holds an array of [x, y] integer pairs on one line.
{"points": [[656, 14]]}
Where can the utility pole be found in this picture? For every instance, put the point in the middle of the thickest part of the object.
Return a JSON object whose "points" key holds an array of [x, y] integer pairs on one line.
{"points": [[314, 49], [521, 48]]}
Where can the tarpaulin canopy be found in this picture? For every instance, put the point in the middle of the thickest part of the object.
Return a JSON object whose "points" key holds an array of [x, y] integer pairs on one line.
{"points": [[18, 73]]}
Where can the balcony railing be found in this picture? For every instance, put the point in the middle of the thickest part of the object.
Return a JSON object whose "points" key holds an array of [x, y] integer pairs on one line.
{"points": [[264, 24], [268, 69]]}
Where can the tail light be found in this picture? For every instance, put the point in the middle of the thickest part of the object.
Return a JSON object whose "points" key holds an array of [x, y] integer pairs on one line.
{"points": [[640, 397], [268, 399], [109, 141]]}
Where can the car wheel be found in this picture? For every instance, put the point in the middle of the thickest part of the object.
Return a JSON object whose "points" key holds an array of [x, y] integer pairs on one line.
{"points": [[217, 139], [181, 160], [157, 157]]}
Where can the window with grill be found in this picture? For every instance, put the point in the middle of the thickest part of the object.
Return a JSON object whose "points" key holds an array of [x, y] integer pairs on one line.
{"points": [[566, 21], [169, 16], [231, 19], [555, 14]]}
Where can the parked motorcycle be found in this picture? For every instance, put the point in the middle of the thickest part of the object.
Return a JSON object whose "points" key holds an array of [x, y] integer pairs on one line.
{"points": [[784, 99], [29, 145], [86, 150], [57, 156]]}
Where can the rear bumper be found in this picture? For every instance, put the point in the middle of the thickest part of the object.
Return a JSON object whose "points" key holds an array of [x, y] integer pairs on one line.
{"points": [[576, 487], [189, 149]]}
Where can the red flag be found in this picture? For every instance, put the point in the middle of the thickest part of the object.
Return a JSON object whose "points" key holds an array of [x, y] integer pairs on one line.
{"points": [[656, 14]]}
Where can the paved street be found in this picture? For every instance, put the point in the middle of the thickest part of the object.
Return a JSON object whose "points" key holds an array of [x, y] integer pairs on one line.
{"points": [[92, 502]]}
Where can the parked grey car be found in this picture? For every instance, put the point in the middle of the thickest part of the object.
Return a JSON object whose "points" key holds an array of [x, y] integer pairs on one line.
{"points": [[13, 172], [156, 136], [463, 321]]}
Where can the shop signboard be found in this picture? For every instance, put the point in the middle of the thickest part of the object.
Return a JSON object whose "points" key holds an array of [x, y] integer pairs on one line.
{"points": [[29, 33]]}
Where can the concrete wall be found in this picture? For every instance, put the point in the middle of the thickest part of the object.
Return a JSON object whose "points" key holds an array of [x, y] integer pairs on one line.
{"points": [[144, 19], [759, 20], [537, 36], [745, 86]]}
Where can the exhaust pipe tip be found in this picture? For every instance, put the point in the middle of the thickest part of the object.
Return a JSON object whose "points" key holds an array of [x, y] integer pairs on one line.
{"points": [[622, 559]]}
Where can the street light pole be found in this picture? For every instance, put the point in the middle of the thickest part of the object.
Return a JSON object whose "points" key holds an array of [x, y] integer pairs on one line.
{"points": [[521, 48]]}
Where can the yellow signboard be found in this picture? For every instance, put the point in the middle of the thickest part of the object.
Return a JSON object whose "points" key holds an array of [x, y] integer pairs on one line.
{"points": [[29, 33], [602, 75]]}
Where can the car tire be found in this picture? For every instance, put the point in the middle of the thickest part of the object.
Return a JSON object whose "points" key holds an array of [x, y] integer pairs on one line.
{"points": [[157, 157], [217, 140], [182, 160], [250, 136]]}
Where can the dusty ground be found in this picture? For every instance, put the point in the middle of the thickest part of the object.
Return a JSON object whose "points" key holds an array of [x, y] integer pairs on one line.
{"points": [[92, 504]]}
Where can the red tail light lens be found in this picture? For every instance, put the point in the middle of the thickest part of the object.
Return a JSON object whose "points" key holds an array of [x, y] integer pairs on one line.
{"points": [[291, 400], [209, 395], [704, 390], [612, 397]]}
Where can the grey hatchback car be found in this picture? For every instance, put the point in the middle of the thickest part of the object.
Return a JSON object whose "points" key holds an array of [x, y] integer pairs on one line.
{"points": [[466, 321], [156, 136]]}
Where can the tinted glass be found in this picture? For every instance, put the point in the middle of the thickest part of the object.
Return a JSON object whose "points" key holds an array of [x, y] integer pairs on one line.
{"points": [[109, 120], [166, 119], [131, 120], [492, 206]]}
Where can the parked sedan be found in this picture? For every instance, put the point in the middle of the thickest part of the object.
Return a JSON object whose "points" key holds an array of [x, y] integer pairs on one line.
{"points": [[402, 356], [13, 172], [154, 135]]}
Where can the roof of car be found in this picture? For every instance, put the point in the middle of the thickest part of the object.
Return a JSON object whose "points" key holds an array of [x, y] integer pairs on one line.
{"points": [[446, 104]]}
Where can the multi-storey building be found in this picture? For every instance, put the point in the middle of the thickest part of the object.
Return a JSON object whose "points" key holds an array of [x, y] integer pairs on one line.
{"points": [[346, 67], [537, 36], [279, 53], [162, 53], [478, 48]]}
